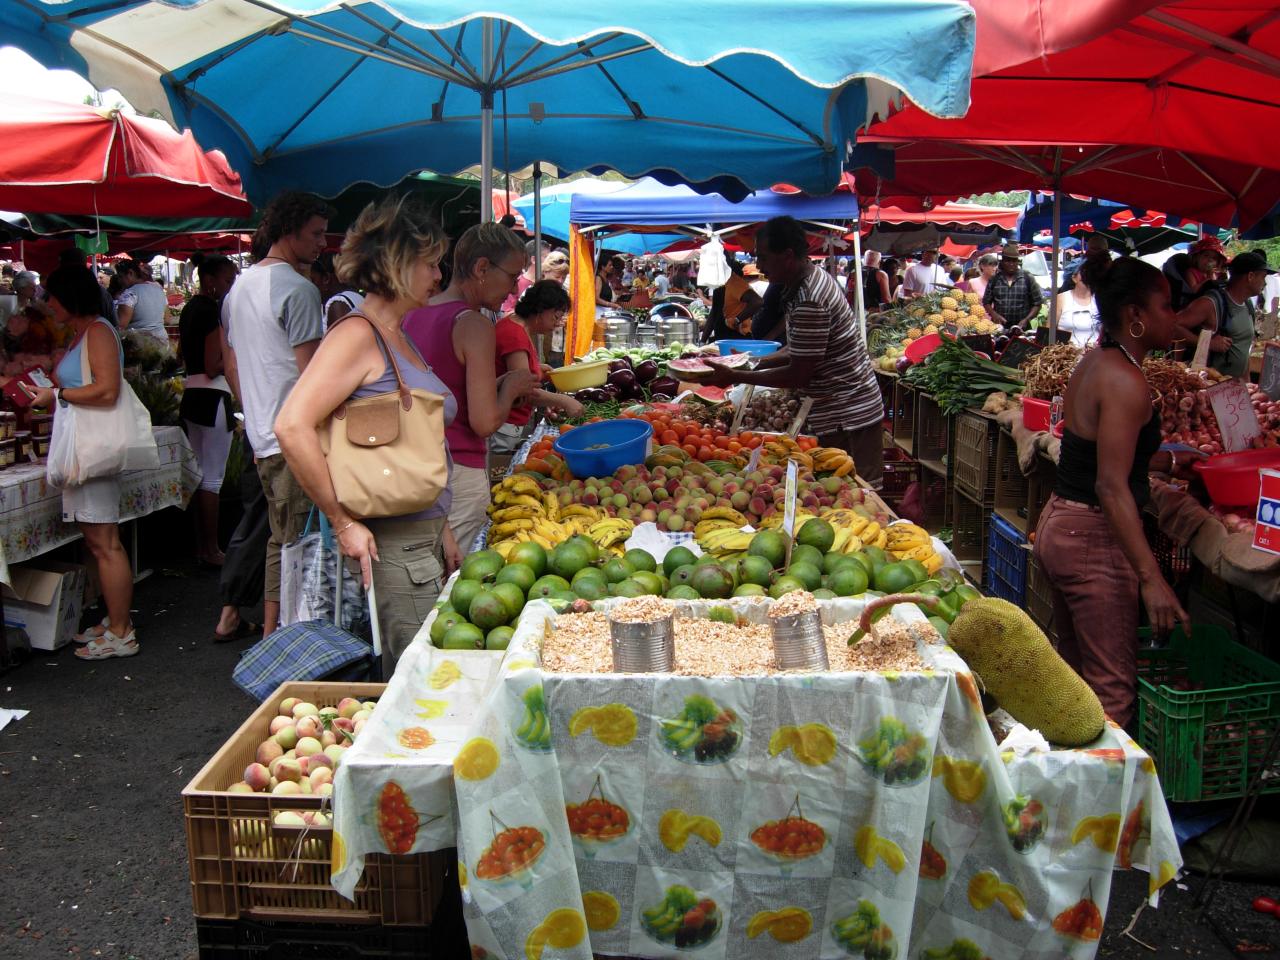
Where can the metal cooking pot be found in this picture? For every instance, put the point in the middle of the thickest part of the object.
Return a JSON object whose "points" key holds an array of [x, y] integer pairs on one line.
{"points": [[676, 330], [646, 335], [619, 328]]}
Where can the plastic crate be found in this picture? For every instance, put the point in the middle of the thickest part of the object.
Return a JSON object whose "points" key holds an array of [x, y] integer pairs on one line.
{"points": [[1006, 573], [933, 431], [242, 866], [900, 471], [1039, 596], [968, 529], [886, 383], [1207, 743], [1012, 489], [250, 940], [974, 465], [1040, 488], [904, 415], [1174, 560]]}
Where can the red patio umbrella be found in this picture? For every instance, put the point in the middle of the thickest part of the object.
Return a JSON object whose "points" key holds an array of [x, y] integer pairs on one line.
{"points": [[69, 158], [1166, 111]]}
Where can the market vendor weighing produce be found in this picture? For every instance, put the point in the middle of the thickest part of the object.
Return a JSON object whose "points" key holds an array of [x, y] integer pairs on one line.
{"points": [[825, 357], [1090, 540]]}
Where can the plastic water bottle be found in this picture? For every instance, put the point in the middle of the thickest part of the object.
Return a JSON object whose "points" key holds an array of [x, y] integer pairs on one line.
{"points": [[1055, 412]]}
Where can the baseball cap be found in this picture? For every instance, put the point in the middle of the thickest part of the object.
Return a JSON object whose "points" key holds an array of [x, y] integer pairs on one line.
{"points": [[1248, 262]]}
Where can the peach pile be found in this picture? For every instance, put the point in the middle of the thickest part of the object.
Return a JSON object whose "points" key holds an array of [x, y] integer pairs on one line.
{"points": [[304, 747]]}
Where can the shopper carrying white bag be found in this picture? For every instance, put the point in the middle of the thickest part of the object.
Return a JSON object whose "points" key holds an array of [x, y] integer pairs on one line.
{"points": [[98, 433]]}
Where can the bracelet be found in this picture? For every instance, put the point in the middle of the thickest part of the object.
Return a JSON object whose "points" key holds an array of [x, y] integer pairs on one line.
{"points": [[346, 526]]}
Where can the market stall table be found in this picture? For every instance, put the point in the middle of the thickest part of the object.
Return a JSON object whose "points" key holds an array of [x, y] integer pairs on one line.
{"points": [[31, 510], [1013, 853]]}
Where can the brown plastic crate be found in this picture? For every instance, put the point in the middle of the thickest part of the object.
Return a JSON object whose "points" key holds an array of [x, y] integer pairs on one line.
{"points": [[904, 414], [933, 431], [1039, 596], [243, 867], [1012, 488], [1039, 489], [1174, 560], [974, 464], [968, 528], [886, 381], [900, 471]]}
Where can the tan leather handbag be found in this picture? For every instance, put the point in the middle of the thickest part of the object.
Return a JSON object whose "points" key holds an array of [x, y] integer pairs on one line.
{"points": [[386, 453]]}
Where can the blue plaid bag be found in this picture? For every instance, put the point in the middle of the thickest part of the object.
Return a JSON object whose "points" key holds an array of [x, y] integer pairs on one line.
{"points": [[311, 650]]}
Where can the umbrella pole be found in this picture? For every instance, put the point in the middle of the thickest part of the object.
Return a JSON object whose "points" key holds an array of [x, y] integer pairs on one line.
{"points": [[537, 215], [857, 265], [486, 121], [1053, 266]]}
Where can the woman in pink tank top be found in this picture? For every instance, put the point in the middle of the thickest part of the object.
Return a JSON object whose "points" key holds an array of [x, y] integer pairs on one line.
{"points": [[458, 341]]}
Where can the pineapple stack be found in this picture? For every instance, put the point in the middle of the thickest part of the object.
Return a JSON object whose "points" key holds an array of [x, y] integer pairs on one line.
{"points": [[933, 311]]}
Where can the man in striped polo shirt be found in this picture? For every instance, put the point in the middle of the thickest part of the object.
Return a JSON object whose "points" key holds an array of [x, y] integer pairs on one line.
{"points": [[824, 358]]}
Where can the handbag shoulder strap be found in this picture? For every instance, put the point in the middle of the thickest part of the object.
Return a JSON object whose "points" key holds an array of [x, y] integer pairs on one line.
{"points": [[406, 398]]}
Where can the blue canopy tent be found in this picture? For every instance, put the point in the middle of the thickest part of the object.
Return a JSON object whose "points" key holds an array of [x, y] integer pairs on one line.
{"points": [[1073, 210], [318, 95], [557, 201]]}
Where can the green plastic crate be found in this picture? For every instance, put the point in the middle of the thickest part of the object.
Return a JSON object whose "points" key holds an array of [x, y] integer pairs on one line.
{"points": [[1207, 743]]}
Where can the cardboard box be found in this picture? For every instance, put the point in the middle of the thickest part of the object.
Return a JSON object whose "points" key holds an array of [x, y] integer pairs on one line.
{"points": [[46, 601]]}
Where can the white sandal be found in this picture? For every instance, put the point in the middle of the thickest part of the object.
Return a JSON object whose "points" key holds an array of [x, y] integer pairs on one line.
{"points": [[94, 632], [109, 645]]}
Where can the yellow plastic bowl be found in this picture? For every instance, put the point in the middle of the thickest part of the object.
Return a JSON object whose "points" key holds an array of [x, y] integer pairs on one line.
{"points": [[579, 376]]}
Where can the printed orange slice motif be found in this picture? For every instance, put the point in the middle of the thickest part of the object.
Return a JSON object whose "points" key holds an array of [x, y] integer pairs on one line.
{"points": [[415, 738]]}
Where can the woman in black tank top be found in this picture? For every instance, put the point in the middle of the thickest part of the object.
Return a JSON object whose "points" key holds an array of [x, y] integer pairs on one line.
{"points": [[1090, 539]]}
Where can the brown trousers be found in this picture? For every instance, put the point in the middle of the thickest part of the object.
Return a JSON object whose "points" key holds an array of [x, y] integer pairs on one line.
{"points": [[866, 446], [1095, 601]]}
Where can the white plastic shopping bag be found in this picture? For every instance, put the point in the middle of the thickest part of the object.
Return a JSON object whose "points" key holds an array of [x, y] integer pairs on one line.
{"points": [[61, 465], [713, 271]]}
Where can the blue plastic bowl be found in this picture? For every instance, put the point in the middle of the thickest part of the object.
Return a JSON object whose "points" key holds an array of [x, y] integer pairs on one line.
{"points": [[598, 449], [757, 348]]}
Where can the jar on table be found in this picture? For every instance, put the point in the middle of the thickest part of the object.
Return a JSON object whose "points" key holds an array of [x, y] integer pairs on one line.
{"points": [[8, 451], [40, 445], [22, 439], [42, 425], [8, 424]]}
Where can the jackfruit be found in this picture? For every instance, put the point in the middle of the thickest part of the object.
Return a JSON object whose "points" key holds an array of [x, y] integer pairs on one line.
{"points": [[1025, 675]]}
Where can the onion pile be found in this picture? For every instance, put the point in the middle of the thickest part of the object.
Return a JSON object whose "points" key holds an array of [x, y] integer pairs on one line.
{"points": [[1268, 414], [771, 410]]}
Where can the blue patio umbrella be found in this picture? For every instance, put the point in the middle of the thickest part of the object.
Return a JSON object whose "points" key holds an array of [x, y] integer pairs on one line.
{"points": [[317, 95]]}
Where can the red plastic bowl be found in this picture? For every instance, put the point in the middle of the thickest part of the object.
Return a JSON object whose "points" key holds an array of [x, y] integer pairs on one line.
{"points": [[1035, 414], [1232, 478], [923, 347]]}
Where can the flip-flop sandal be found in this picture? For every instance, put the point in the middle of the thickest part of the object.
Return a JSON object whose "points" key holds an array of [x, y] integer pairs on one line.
{"points": [[242, 630], [109, 645], [94, 632]]}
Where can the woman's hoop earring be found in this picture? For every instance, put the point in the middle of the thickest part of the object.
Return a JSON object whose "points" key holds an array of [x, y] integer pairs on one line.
{"points": [[1137, 334]]}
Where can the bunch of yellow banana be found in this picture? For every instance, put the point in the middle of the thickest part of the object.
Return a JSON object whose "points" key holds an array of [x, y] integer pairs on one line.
{"points": [[725, 543], [775, 521], [906, 541], [831, 460], [517, 490], [610, 532]]}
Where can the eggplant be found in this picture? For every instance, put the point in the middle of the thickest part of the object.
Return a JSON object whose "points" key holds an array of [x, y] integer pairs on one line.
{"points": [[593, 395], [609, 392], [668, 386], [623, 379], [647, 370], [619, 364], [903, 364]]}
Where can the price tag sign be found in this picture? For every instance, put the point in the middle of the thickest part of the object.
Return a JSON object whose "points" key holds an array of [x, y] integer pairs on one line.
{"points": [[1018, 350], [1266, 527], [741, 412], [1201, 358], [754, 462], [1236, 419], [1269, 382], [789, 506]]}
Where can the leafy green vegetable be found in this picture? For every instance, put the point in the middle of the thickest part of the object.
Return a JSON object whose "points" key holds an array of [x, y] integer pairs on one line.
{"points": [[958, 378]]}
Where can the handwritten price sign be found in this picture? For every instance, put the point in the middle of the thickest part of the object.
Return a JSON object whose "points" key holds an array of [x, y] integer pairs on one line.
{"points": [[1236, 419]]}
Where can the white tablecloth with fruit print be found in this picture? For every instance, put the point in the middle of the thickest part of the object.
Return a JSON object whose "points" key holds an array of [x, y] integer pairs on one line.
{"points": [[833, 815], [31, 509]]}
